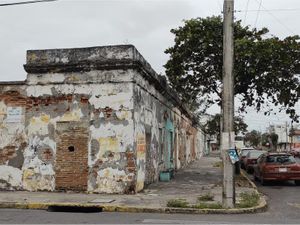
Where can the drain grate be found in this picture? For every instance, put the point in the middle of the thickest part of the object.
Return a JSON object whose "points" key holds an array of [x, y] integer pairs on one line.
{"points": [[75, 209]]}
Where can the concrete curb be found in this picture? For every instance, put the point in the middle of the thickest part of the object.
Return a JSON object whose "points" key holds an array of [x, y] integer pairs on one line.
{"points": [[119, 208], [261, 207]]}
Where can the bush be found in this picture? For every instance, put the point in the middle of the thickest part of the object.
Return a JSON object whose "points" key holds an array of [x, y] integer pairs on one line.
{"points": [[204, 205], [206, 197], [248, 200], [218, 164], [177, 203]]}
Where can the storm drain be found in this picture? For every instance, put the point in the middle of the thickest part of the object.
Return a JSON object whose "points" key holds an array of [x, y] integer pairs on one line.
{"points": [[75, 209]]}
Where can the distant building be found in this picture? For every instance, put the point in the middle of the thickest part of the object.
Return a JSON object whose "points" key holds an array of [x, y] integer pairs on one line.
{"points": [[295, 139], [282, 131]]}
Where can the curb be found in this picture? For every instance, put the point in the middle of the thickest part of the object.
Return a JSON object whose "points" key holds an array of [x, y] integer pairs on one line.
{"points": [[263, 205], [117, 208]]}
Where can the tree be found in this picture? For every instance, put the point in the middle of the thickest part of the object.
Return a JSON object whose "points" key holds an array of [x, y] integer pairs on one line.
{"points": [[253, 137], [212, 126], [270, 140], [265, 68]]}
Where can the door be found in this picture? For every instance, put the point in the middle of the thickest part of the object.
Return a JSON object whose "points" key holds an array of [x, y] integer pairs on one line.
{"points": [[150, 171], [71, 168]]}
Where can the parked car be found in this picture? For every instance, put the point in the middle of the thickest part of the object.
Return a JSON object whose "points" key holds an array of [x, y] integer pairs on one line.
{"points": [[277, 166], [295, 152], [242, 155], [251, 159]]}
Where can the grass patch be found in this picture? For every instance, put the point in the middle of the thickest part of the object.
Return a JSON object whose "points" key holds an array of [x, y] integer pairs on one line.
{"points": [[206, 197], [241, 181], [205, 205], [178, 203], [248, 200], [218, 164]]}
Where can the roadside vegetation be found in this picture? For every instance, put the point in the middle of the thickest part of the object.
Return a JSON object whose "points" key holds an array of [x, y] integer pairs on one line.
{"points": [[178, 203], [206, 197], [218, 164], [248, 200]]}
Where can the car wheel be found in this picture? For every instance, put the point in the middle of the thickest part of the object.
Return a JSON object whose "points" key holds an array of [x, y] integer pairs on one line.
{"points": [[262, 181], [297, 182], [248, 170], [255, 177]]}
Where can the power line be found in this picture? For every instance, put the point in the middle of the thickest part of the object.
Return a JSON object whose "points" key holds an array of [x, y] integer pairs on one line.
{"points": [[28, 2], [278, 21], [258, 13], [246, 11]]}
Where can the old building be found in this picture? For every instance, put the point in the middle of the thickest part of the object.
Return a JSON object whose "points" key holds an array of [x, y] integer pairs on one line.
{"points": [[93, 119]]}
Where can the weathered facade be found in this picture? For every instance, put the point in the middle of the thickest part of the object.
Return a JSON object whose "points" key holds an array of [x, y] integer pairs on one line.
{"points": [[92, 119]]}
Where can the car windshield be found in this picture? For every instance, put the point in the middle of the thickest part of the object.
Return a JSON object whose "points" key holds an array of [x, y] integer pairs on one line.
{"points": [[280, 159], [245, 152], [255, 154]]}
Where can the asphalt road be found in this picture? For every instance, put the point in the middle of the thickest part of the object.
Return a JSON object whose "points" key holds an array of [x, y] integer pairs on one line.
{"points": [[283, 199]]}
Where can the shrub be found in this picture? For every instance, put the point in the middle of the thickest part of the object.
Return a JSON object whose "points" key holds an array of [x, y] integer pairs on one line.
{"points": [[248, 200], [204, 205], [177, 203], [206, 197]]}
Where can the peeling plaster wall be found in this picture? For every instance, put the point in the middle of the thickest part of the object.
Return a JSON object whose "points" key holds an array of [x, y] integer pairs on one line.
{"points": [[12, 136], [125, 124], [108, 109], [174, 140]]}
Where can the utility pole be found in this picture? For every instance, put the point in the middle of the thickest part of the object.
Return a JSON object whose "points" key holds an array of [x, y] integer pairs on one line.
{"points": [[227, 140]]}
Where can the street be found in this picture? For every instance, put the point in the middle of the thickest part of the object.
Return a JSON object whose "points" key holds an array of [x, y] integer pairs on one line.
{"points": [[283, 199]]}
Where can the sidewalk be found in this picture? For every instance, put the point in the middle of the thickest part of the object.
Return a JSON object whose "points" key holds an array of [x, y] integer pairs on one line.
{"points": [[199, 178]]}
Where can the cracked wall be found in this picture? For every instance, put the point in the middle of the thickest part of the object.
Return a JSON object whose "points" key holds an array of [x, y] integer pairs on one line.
{"points": [[165, 138], [12, 136], [100, 113]]}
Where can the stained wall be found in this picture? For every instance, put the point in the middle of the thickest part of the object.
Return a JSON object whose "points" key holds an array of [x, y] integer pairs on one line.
{"points": [[103, 109]]}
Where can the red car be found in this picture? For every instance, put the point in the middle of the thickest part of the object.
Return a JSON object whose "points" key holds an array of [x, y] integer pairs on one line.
{"points": [[243, 153], [277, 166], [251, 159]]}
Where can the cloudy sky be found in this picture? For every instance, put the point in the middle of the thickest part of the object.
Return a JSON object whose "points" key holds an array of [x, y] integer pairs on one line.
{"points": [[143, 23]]}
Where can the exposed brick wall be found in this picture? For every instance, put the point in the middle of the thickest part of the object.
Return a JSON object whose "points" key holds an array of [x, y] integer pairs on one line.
{"points": [[7, 153], [72, 157]]}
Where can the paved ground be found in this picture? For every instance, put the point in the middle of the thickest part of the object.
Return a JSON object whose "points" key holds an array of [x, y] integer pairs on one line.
{"points": [[283, 198], [199, 178], [284, 208]]}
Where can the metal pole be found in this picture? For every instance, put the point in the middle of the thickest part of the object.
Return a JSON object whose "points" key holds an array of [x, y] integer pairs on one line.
{"points": [[228, 106]]}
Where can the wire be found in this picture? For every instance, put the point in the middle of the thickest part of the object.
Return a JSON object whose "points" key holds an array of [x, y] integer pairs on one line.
{"points": [[246, 11], [28, 2], [258, 13], [278, 21]]}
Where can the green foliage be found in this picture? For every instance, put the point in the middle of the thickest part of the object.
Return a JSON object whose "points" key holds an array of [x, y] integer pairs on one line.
{"points": [[270, 140], [253, 137], [213, 125], [206, 197], [177, 203], [218, 164], [248, 200], [265, 69], [205, 205]]}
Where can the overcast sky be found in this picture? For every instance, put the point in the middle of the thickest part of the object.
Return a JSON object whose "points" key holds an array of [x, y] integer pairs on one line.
{"points": [[143, 23]]}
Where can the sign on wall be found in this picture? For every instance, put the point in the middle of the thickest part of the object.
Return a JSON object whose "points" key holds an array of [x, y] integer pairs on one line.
{"points": [[14, 115]]}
